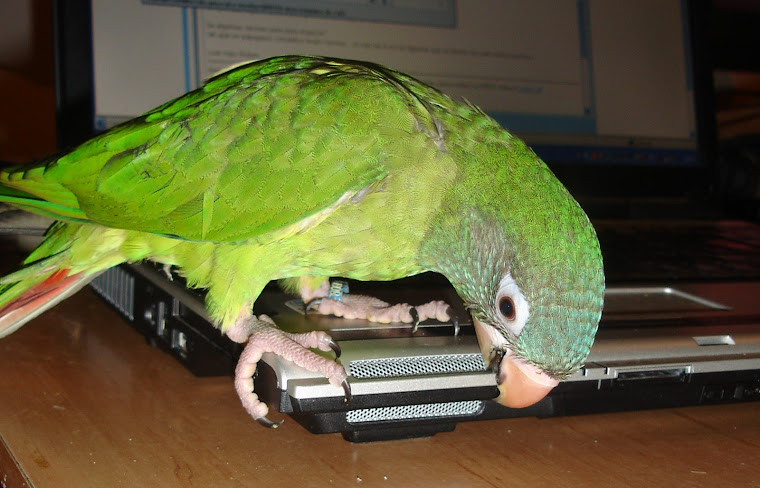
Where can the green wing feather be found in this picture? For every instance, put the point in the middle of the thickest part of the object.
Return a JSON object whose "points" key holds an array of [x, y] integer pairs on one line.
{"points": [[256, 149]]}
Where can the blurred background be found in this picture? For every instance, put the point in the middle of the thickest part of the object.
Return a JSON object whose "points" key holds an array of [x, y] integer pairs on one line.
{"points": [[27, 113]]}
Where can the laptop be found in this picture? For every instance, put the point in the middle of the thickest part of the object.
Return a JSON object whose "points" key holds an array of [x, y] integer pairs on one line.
{"points": [[614, 97]]}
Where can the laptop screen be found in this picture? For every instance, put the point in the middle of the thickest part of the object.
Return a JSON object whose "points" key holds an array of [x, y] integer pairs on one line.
{"points": [[588, 84]]}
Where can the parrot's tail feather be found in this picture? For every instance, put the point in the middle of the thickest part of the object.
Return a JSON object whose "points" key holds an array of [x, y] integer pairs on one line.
{"points": [[32, 203], [38, 298], [29, 272]]}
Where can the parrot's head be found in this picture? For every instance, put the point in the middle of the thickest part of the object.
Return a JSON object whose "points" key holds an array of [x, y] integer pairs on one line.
{"points": [[526, 261]]}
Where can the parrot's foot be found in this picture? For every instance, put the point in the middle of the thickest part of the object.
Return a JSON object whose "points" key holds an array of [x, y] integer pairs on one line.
{"points": [[262, 335], [376, 310]]}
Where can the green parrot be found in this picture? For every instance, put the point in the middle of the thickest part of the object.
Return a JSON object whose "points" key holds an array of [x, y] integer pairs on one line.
{"points": [[302, 168]]}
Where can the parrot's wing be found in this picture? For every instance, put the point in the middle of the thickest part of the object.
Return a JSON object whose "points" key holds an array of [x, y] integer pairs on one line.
{"points": [[260, 148]]}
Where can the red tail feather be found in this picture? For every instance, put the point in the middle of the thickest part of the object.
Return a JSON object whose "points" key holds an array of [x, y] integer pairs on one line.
{"points": [[56, 287], [53, 284]]}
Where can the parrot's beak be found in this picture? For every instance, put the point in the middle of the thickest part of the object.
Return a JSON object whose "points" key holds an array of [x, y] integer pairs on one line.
{"points": [[520, 384]]}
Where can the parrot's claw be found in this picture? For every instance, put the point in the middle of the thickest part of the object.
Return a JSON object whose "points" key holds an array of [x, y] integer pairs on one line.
{"points": [[268, 423], [454, 320], [262, 335], [415, 319], [346, 391], [311, 305], [334, 346]]}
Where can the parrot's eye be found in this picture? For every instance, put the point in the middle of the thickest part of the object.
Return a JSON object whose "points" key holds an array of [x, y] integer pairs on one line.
{"points": [[507, 308], [511, 307]]}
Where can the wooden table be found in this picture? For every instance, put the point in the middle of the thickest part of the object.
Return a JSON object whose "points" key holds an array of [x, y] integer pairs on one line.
{"points": [[84, 401]]}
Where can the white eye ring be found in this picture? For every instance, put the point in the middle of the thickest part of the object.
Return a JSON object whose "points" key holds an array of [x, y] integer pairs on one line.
{"points": [[518, 309]]}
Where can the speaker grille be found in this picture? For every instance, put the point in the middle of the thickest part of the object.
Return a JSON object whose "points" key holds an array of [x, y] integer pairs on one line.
{"points": [[416, 366], [408, 412], [117, 287]]}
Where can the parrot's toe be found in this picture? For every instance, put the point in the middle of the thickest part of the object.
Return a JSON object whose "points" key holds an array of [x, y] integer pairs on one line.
{"points": [[376, 310], [447, 312], [438, 310], [262, 335]]}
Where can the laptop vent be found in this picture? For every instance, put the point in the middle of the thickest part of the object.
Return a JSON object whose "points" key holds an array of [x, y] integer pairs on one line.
{"points": [[416, 366], [408, 412], [117, 287]]}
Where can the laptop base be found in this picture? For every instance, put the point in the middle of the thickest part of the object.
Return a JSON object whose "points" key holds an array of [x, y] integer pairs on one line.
{"points": [[407, 386]]}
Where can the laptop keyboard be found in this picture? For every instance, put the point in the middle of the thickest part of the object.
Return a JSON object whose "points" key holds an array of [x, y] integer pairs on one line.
{"points": [[646, 251]]}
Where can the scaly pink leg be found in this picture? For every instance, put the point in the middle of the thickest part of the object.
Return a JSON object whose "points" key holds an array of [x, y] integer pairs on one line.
{"points": [[376, 310], [262, 335]]}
